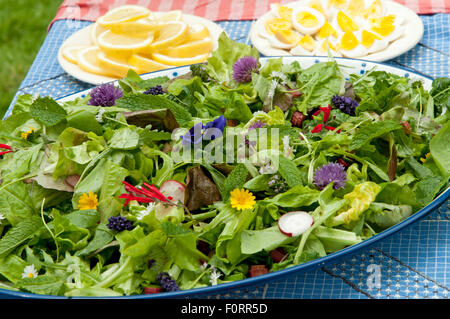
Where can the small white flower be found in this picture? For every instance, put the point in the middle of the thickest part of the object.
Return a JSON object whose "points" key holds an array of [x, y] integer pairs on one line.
{"points": [[99, 116], [273, 86], [204, 266], [214, 276], [281, 76], [29, 272], [1, 218], [146, 211]]}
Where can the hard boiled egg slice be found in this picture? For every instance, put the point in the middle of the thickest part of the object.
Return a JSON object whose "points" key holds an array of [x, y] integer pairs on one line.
{"points": [[334, 6], [318, 5], [326, 44], [345, 23], [373, 11], [306, 46], [386, 28], [285, 39], [355, 8], [351, 47], [327, 31], [372, 42], [268, 27], [283, 12], [307, 20]]}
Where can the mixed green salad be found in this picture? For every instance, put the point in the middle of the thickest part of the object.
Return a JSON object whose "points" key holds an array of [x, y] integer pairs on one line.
{"points": [[235, 169]]}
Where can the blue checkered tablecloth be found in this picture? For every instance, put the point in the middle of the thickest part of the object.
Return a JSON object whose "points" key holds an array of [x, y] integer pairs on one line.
{"points": [[413, 263]]}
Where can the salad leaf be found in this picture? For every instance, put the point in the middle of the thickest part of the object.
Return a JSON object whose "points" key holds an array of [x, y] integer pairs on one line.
{"points": [[439, 149], [47, 111]]}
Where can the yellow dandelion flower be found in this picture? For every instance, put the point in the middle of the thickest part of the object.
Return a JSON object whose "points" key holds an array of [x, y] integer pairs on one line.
{"points": [[242, 199], [423, 160], [88, 201], [25, 135]]}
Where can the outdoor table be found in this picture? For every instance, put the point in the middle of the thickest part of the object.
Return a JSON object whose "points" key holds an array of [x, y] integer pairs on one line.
{"points": [[413, 263]]}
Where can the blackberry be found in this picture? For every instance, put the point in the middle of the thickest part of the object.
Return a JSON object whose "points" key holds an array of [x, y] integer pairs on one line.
{"points": [[155, 90], [119, 223]]}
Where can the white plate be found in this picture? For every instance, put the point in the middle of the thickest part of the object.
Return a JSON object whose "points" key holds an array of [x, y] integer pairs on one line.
{"points": [[83, 37], [413, 26]]}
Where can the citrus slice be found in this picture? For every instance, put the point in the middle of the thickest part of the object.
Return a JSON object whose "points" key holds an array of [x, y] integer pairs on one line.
{"points": [[70, 53], [172, 33], [197, 31], [88, 61], [113, 66], [165, 59], [190, 49], [145, 64], [136, 28], [96, 30], [121, 14], [121, 45], [174, 15]]}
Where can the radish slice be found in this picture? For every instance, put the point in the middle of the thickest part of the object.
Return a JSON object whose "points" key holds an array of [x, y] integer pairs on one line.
{"points": [[295, 223], [173, 189]]}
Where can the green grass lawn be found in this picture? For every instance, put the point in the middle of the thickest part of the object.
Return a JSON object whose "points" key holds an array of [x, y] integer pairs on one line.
{"points": [[23, 27]]}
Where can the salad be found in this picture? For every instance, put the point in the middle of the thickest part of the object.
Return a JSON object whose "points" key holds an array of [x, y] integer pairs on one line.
{"points": [[235, 169]]}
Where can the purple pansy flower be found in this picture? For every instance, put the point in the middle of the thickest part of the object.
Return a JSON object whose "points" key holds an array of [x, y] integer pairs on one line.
{"points": [[243, 68], [332, 172], [257, 124], [345, 104], [105, 95], [209, 131]]}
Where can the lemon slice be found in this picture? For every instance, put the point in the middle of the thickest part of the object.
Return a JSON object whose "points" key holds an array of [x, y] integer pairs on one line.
{"points": [[172, 33], [165, 59], [121, 45], [136, 28], [145, 64], [190, 49], [88, 61], [197, 31], [70, 53], [174, 15], [113, 66], [121, 14], [96, 30]]}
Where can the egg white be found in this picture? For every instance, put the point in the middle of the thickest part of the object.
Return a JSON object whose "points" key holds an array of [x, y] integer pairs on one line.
{"points": [[299, 50], [318, 51], [357, 52], [307, 30]]}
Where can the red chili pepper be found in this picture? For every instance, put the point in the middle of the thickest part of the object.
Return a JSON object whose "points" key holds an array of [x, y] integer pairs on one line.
{"points": [[317, 128]]}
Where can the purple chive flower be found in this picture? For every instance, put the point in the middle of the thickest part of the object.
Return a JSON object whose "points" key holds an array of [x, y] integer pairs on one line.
{"points": [[345, 104], [155, 90], [105, 95], [257, 124], [332, 172], [167, 283], [119, 223], [243, 68], [209, 131]]}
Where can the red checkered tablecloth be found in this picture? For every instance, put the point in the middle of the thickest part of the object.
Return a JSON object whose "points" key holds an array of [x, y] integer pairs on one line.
{"points": [[216, 10]]}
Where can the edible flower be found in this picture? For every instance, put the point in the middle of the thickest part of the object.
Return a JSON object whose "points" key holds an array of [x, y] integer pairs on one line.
{"points": [[7, 148], [332, 172], [167, 283], [143, 194], [119, 223], [423, 160], [243, 68], [209, 131], [326, 112], [257, 124], [29, 272], [242, 199], [105, 95], [317, 128], [345, 104], [26, 135], [1, 218], [88, 201]]}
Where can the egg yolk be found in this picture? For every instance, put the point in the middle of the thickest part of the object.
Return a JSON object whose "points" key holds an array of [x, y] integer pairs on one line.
{"points": [[337, 3], [315, 4], [374, 10], [330, 45], [285, 12], [307, 42], [277, 24], [346, 24], [326, 31], [385, 25], [367, 38], [355, 7], [349, 41], [287, 36], [307, 19]]}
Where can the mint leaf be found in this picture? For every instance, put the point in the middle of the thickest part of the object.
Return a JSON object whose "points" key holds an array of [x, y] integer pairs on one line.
{"points": [[19, 234], [44, 284], [236, 179], [373, 130], [47, 111], [289, 171]]}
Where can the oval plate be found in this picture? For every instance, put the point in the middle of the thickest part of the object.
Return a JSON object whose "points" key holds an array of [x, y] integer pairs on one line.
{"points": [[83, 37], [349, 66], [413, 34]]}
